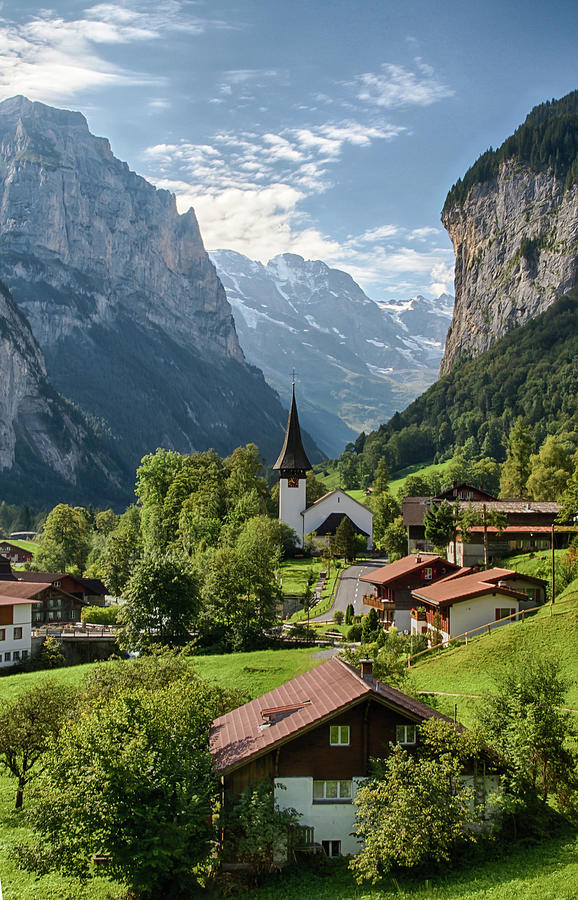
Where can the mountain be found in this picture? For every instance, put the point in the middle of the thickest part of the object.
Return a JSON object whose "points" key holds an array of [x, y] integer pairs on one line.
{"points": [[48, 451], [356, 360], [513, 221], [121, 296], [531, 372]]}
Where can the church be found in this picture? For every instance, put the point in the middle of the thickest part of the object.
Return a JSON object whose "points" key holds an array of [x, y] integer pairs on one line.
{"points": [[325, 515]]}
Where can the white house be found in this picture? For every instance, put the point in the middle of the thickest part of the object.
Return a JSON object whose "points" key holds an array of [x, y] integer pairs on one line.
{"points": [[466, 601], [15, 629], [324, 516]]}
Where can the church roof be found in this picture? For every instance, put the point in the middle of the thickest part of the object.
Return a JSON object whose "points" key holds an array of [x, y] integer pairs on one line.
{"points": [[293, 454]]}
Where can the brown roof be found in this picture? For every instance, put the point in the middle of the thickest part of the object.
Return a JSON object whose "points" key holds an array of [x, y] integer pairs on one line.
{"points": [[14, 601], [22, 590], [513, 529], [300, 704], [449, 591], [413, 509], [401, 567]]}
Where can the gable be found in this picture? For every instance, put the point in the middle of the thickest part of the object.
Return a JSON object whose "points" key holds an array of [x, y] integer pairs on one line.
{"points": [[338, 502]]}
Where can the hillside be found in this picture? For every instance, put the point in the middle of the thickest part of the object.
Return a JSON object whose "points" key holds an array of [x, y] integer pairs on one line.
{"points": [[513, 223], [531, 372], [464, 672]]}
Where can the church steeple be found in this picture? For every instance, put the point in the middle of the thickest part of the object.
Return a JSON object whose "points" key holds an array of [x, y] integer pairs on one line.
{"points": [[293, 460]]}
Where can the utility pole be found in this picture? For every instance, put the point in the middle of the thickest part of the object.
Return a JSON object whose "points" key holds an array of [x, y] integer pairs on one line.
{"points": [[553, 567]]}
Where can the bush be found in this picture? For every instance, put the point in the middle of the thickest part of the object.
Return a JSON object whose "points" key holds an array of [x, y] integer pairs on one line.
{"points": [[338, 616], [349, 612], [354, 633], [100, 615], [50, 656]]}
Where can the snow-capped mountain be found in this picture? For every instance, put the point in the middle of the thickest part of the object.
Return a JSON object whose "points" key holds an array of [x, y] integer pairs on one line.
{"points": [[356, 361]]}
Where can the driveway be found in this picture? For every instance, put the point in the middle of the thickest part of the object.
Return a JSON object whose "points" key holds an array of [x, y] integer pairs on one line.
{"points": [[350, 590]]}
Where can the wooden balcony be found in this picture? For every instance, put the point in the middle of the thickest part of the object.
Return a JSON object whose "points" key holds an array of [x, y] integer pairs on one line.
{"points": [[378, 603]]}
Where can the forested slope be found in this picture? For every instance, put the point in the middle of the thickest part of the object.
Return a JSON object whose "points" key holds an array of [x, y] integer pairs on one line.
{"points": [[531, 372]]}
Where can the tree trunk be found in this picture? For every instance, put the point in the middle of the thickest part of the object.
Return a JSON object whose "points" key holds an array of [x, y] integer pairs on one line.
{"points": [[20, 794]]}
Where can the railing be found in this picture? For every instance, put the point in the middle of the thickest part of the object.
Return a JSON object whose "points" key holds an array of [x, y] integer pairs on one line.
{"points": [[465, 635], [75, 630]]}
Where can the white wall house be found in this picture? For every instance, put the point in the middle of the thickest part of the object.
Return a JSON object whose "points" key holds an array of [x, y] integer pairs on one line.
{"points": [[332, 820], [15, 630], [340, 503]]}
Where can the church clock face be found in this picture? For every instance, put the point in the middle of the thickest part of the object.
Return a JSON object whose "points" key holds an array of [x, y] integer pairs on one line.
{"points": [[293, 481]]}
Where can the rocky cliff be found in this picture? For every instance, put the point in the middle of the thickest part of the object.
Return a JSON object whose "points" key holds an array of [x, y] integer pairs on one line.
{"points": [[513, 222], [121, 295], [43, 438], [357, 360]]}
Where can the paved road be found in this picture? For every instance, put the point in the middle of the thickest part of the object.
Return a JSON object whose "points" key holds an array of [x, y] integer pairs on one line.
{"points": [[351, 590]]}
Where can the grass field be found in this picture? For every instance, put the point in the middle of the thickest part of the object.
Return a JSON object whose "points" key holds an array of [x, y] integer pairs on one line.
{"points": [[326, 598], [548, 872], [295, 573], [32, 546], [419, 468], [469, 671]]}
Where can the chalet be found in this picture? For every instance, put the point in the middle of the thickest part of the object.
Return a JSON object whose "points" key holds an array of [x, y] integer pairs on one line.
{"points": [[314, 737], [528, 524], [395, 582], [15, 553], [88, 591], [325, 515], [15, 627], [467, 600]]}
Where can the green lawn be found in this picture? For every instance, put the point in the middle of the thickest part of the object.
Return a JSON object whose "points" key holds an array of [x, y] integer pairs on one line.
{"points": [[326, 601], [419, 468], [32, 546], [471, 670], [548, 871], [295, 573]]}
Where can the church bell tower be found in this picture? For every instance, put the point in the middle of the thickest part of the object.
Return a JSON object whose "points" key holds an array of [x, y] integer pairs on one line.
{"points": [[292, 465]]}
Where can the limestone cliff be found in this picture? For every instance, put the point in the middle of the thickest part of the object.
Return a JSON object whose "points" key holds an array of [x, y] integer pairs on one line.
{"points": [[514, 227], [119, 292], [43, 439]]}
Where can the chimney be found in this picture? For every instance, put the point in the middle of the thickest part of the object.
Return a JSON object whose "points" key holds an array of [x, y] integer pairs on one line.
{"points": [[367, 670], [418, 558]]}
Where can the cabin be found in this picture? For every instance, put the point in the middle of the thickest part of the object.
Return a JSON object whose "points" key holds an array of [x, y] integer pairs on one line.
{"points": [[393, 585], [51, 604], [468, 600], [314, 737], [88, 591], [15, 553]]}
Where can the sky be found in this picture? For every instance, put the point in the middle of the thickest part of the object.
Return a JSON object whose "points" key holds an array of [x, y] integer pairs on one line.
{"points": [[328, 128]]}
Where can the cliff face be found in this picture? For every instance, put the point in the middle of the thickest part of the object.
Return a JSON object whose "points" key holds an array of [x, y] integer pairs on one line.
{"points": [[515, 238], [43, 438], [120, 294]]}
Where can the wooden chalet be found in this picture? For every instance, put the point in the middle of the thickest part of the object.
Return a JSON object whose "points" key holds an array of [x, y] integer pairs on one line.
{"points": [[468, 599], [14, 553], [314, 737], [393, 585], [88, 591]]}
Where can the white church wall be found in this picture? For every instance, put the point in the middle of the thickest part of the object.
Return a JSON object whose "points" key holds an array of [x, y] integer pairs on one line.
{"points": [[292, 502], [339, 502]]}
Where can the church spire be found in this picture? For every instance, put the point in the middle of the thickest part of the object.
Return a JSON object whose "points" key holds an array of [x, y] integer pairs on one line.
{"points": [[293, 458]]}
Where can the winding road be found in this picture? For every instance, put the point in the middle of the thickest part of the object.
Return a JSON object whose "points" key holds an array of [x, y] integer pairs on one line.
{"points": [[350, 590]]}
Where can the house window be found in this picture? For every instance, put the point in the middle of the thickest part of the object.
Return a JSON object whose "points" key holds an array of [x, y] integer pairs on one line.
{"points": [[2, 634], [7, 657], [339, 735], [405, 734], [428, 573], [332, 791], [503, 612], [17, 634], [332, 848], [24, 654], [57, 584], [16, 655]]}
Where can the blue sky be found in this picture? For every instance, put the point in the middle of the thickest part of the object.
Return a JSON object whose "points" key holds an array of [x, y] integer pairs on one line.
{"points": [[329, 129]]}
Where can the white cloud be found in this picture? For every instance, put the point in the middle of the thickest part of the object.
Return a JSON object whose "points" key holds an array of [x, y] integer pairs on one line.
{"points": [[394, 86], [51, 58]]}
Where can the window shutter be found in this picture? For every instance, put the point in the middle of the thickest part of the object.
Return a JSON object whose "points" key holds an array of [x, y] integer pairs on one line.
{"points": [[512, 611], [497, 611]]}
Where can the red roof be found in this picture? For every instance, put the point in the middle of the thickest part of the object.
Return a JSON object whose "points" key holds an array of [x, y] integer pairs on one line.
{"points": [[395, 570], [296, 707], [449, 591], [13, 601]]}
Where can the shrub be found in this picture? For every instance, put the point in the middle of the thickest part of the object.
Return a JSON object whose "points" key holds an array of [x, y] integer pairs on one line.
{"points": [[100, 615], [354, 633], [349, 614], [338, 616]]}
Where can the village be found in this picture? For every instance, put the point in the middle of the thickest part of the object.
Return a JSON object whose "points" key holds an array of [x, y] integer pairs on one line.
{"points": [[303, 753]]}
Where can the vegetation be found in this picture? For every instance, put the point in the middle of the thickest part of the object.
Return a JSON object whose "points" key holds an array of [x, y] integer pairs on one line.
{"points": [[529, 373], [547, 140]]}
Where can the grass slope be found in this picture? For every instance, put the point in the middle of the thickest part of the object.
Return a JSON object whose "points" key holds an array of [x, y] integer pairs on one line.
{"points": [[548, 871], [466, 671]]}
